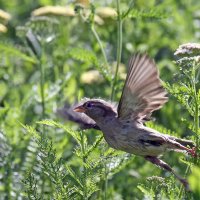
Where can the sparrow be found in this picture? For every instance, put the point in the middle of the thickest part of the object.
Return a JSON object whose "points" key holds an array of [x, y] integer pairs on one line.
{"points": [[123, 127]]}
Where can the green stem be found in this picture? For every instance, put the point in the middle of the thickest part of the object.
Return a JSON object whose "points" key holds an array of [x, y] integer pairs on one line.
{"points": [[100, 44], [182, 188], [106, 180], [97, 38], [42, 88], [196, 120], [196, 117], [42, 81], [196, 100], [85, 172], [119, 47]]}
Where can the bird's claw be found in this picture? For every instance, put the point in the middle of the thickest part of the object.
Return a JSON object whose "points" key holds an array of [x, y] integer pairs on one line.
{"points": [[192, 152]]}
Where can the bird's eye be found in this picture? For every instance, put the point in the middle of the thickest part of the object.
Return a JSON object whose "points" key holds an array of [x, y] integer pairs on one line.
{"points": [[89, 105]]}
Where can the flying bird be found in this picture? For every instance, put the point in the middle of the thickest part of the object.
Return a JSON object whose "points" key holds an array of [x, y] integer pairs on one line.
{"points": [[123, 128]]}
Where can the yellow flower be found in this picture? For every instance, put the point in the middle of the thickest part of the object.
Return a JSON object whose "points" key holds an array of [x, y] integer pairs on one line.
{"points": [[106, 12], [3, 29], [4, 15], [54, 10]]}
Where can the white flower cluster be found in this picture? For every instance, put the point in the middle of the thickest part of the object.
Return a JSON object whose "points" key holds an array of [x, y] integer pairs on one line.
{"points": [[188, 53], [188, 49]]}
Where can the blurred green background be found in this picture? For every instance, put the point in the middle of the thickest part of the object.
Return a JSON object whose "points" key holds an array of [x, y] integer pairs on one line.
{"points": [[63, 48]]}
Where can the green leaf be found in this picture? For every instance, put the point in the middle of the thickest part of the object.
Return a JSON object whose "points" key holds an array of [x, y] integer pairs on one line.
{"points": [[31, 130], [89, 57], [12, 51], [74, 134], [94, 145], [153, 13], [83, 55], [92, 188], [33, 43], [187, 162], [147, 193], [73, 175]]}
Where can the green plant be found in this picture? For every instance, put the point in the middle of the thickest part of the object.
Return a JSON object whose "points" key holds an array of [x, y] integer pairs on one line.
{"points": [[41, 61]]}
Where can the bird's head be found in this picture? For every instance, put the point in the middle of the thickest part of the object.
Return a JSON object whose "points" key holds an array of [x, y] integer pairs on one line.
{"points": [[96, 109]]}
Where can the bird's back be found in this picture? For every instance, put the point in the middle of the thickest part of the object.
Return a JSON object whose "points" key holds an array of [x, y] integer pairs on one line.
{"points": [[133, 138]]}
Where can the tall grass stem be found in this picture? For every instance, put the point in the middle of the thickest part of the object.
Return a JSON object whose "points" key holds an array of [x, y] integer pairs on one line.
{"points": [[119, 48], [100, 45]]}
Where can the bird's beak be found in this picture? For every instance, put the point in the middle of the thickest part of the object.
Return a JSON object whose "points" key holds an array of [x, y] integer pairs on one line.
{"points": [[80, 109]]}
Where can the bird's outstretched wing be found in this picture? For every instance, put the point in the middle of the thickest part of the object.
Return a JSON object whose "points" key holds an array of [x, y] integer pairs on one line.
{"points": [[83, 120], [143, 92]]}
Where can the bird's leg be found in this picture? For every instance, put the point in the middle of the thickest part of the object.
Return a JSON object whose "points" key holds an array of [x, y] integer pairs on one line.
{"points": [[165, 166], [177, 145]]}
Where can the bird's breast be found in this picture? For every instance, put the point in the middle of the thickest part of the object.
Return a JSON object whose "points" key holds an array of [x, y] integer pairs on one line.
{"points": [[116, 134], [111, 128]]}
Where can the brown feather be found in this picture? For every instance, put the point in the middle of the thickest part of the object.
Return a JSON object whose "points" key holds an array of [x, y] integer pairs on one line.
{"points": [[143, 92]]}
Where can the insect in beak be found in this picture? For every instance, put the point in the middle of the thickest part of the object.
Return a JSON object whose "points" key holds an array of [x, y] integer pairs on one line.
{"points": [[80, 109]]}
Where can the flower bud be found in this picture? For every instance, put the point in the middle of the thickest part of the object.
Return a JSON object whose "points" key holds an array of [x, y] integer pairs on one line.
{"points": [[4, 15], [54, 10], [106, 12], [92, 76], [188, 49], [3, 29]]}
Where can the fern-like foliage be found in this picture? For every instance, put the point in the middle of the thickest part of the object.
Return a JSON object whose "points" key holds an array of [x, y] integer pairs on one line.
{"points": [[9, 50], [65, 179], [158, 188], [152, 13], [13, 170]]}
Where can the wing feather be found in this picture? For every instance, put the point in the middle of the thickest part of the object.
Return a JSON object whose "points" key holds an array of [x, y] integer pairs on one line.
{"points": [[143, 92]]}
